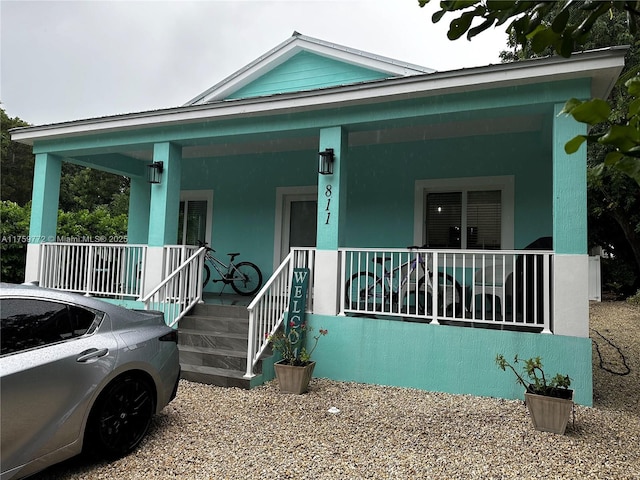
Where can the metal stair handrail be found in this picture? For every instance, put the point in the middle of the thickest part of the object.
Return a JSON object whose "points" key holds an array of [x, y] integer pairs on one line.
{"points": [[180, 291], [268, 308]]}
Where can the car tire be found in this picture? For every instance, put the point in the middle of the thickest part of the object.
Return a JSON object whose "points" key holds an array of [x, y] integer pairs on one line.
{"points": [[121, 417]]}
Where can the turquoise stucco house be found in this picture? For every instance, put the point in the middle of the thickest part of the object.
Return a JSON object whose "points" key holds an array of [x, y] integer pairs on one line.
{"points": [[467, 164]]}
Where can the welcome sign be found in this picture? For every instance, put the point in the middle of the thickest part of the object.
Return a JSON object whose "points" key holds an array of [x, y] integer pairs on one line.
{"points": [[298, 299], [297, 308]]}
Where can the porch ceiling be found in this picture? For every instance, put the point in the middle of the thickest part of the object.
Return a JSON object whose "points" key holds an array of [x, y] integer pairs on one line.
{"points": [[363, 135]]}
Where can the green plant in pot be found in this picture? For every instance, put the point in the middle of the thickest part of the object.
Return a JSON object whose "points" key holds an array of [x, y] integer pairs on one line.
{"points": [[548, 399], [295, 369]]}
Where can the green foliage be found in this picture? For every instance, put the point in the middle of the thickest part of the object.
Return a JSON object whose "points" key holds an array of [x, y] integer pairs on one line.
{"points": [[634, 299], [291, 345], [81, 188], [14, 229], [564, 27], [91, 224], [98, 225], [533, 378], [16, 164], [623, 138], [86, 189]]}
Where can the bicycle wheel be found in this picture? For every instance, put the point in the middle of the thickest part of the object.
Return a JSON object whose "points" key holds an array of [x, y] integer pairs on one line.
{"points": [[364, 292], [449, 296], [413, 301], [246, 278], [206, 275]]}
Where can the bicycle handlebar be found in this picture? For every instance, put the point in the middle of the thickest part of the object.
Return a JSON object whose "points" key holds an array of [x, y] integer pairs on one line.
{"points": [[204, 244]]}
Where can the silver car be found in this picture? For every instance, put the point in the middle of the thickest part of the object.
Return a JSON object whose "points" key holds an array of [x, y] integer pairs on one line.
{"points": [[78, 374]]}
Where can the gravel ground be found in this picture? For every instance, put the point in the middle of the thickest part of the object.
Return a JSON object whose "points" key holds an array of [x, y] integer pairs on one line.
{"points": [[393, 433]]}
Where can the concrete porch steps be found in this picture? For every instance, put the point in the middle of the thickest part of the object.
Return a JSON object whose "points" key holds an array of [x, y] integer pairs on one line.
{"points": [[212, 340]]}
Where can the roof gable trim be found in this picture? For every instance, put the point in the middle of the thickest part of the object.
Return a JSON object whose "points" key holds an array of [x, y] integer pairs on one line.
{"points": [[294, 45]]}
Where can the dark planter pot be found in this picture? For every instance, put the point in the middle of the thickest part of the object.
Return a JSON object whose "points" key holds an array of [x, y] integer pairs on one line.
{"points": [[548, 413], [293, 379]]}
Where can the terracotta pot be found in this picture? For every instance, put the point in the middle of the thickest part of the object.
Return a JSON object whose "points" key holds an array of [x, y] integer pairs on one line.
{"points": [[549, 414], [293, 379]]}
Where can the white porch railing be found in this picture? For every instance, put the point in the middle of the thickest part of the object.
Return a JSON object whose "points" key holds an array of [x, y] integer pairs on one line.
{"points": [[176, 255], [118, 271], [267, 309], [180, 291], [94, 268], [501, 288]]}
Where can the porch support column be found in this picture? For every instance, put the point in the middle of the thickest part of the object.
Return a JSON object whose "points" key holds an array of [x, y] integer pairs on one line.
{"points": [[332, 196], [139, 204], [44, 209], [571, 267], [163, 211]]}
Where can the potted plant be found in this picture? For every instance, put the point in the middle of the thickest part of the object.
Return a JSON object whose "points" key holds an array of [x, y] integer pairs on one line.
{"points": [[549, 401], [295, 369]]}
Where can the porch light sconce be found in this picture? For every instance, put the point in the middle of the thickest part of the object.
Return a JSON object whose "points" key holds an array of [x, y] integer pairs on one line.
{"points": [[325, 162], [155, 172]]}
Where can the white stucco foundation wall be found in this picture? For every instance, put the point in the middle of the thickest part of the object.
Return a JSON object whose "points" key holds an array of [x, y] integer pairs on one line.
{"points": [[154, 268], [571, 295], [326, 290], [32, 265]]}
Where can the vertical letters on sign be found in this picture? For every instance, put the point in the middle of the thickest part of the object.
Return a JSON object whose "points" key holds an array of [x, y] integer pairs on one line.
{"points": [[298, 299]]}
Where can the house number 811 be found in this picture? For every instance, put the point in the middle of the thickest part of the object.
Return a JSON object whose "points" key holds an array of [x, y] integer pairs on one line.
{"points": [[327, 193]]}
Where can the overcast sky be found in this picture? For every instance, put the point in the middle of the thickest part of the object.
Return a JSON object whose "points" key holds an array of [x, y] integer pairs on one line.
{"points": [[68, 60]]}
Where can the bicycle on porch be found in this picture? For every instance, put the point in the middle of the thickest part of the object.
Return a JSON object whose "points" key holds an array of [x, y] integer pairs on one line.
{"points": [[405, 289], [244, 277]]}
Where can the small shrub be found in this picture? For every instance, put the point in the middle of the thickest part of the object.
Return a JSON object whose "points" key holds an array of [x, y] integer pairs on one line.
{"points": [[634, 299]]}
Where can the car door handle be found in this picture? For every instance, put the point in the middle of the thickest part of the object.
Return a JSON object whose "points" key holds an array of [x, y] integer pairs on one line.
{"points": [[92, 354]]}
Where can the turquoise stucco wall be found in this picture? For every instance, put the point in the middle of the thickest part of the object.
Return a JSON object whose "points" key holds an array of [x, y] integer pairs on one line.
{"points": [[380, 201], [244, 198], [443, 358], [380, 190]]}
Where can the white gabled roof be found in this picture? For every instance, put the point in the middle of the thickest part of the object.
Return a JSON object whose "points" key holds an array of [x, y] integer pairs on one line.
{"points": [[602, 67], [298, 43]]}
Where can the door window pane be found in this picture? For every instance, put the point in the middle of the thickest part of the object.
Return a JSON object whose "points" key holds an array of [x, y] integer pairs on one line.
{"points": [[192, 222], [303, 224]]}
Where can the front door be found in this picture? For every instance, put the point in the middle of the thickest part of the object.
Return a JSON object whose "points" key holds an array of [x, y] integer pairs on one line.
{"points": [[299, 222]]}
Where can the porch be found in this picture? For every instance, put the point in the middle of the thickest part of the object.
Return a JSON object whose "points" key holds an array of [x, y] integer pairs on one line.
{"points": [[501, 290]]}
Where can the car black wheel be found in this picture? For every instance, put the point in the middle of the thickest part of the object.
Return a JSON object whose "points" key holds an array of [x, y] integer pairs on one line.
{"points": [[121, 417]]}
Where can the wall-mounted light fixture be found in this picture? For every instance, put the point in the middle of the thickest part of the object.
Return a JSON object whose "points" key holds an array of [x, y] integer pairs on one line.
{"points": [[155, 172], [325, 162]]}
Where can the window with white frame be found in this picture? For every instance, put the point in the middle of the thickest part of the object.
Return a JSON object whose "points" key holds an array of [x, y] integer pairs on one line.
{"points": [[474, 213], [194, 217]]}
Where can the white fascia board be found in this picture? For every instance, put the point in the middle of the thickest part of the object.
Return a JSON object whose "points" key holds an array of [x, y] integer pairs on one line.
{"points": [[603, 68], [291, 47]]}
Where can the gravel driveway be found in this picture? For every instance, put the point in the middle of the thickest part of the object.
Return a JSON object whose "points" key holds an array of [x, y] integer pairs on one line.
{"points": [[393, 433]]}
